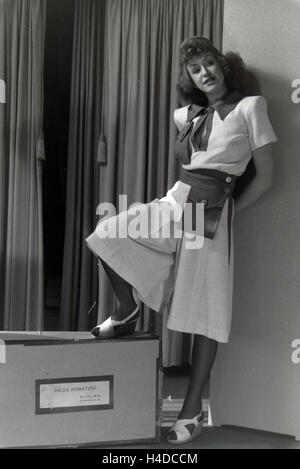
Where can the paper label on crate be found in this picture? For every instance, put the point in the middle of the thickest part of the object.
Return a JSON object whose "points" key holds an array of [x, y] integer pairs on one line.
{"points": [[74, 394]]}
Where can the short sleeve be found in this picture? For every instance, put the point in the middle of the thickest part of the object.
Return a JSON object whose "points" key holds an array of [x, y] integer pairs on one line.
{"points": [[259, 127], [180, 116]]}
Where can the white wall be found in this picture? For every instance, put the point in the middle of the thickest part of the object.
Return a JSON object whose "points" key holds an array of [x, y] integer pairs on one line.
{"points": [[254, 383]]}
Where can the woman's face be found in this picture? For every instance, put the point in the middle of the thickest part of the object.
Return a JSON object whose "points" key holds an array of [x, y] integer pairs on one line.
{"points": [[206, 73]]}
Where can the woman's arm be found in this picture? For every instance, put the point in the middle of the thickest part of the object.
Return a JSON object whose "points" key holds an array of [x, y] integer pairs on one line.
{"points": [[263, 180]]}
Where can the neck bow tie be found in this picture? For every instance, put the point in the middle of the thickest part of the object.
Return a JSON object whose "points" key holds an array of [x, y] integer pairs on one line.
{"points": [[223, 107], [205, 117], [195, 110]]}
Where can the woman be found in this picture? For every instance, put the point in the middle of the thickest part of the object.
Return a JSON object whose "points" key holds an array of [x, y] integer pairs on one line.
{"points": [[219, 131]]}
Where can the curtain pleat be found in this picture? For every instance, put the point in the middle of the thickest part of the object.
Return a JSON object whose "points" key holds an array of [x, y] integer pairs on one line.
{"points": [[140, 72], [22, 32], [79, 283]]}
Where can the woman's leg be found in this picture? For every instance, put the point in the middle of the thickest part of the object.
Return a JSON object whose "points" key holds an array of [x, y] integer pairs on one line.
{"points": [[203, 356], [123, 292]]}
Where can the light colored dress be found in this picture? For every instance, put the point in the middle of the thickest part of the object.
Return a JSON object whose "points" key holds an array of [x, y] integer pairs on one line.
{"points": [[189, 277]]}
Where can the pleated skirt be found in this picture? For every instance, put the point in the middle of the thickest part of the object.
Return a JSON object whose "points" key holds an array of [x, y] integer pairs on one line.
{"points": [[189, 278]]}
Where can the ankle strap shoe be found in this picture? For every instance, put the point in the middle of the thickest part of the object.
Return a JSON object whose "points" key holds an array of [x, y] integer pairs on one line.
{"points": [[111, 328], [185, 430]]}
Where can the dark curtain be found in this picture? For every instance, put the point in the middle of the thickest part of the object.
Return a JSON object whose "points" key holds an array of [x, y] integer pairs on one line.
{"points": [[22, 32], [122, 134], [80, 277]]}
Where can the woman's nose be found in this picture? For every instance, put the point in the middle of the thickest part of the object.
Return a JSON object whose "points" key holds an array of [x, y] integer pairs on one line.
{"points": [[205, 75], [204, 70]]}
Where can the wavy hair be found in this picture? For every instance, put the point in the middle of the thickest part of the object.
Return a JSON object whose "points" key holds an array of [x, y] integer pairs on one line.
{"points": [[231, 63]]}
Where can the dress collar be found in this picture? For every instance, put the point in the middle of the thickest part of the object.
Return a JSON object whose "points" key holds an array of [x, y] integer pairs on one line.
{"points": [[223, 108]]}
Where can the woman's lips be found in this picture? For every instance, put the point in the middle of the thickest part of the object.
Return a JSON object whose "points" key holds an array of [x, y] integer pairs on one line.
{"points": [[209, 80]]}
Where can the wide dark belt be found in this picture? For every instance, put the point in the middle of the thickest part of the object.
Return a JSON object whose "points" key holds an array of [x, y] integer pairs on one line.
{"points": [[212, 188]]}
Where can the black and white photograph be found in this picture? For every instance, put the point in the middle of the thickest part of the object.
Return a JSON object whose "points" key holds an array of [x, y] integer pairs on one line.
{"points": [[149, 227]]}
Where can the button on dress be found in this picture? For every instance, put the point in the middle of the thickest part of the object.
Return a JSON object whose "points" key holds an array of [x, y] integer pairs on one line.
{"points": [[187, 276]]}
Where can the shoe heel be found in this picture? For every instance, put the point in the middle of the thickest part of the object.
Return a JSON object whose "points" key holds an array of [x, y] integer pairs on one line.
{"points": [[182, 432], [128, 328], [109, 330]]}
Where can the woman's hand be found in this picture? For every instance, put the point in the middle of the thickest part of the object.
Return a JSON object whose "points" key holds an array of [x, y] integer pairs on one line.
{"points": [[264, 165]]}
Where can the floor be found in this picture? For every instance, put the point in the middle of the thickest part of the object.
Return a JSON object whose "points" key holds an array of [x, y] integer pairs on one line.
{"points": [[225, 438], [175, 382]]}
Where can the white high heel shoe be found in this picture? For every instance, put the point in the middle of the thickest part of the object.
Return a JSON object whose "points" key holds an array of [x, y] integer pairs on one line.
{"points": [[112, 328], [185, 430]]}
